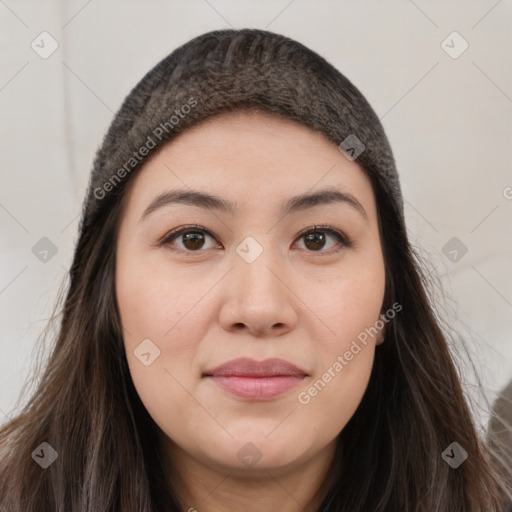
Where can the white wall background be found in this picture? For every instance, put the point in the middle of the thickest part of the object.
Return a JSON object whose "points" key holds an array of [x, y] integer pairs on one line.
{"points": [[448, 120]]}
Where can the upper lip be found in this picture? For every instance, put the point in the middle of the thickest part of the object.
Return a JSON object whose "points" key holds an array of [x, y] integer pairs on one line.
{"points": [[245, 367]]}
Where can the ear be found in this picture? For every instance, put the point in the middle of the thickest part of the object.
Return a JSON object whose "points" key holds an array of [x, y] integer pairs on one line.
{"points": [[381, 336]]}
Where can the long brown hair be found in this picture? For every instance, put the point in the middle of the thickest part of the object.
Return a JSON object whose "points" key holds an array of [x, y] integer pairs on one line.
{"points": [[85, 405]]}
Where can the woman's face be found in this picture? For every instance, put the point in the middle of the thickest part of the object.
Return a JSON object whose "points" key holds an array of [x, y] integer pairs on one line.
{"points": [[249, 278]]}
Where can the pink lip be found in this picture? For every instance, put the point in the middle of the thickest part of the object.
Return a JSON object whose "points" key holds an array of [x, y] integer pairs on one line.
{"points": [[255, 380]]}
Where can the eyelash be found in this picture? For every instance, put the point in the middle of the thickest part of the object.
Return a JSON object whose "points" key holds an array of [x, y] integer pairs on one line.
{"points": [[343, 241]]}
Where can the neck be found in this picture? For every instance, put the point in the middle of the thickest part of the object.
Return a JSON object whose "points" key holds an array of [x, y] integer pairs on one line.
{"points": [[203, 488]]}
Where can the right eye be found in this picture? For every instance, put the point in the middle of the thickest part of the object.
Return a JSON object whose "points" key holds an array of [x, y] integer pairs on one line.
{"points": [[192, 239]]}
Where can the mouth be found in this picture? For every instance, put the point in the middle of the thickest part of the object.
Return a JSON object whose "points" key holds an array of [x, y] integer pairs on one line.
{"points": [[256, 380]]}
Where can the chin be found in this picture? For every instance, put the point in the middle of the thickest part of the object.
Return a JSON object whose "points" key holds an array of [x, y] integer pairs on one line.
{"points": [[252, 454]]}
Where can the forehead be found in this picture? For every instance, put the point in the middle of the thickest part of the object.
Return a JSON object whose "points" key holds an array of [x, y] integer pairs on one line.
{"points": [[250, 157]]}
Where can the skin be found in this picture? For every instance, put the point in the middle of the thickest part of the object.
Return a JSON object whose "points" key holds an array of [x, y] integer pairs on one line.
{"points": [[204, 305]]}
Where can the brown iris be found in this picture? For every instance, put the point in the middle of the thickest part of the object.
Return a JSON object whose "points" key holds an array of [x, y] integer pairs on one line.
{"points": [[316, 238], [195, 239]]}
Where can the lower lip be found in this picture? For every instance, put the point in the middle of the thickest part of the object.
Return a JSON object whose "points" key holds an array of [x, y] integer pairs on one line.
{"points": [[258, 388]]}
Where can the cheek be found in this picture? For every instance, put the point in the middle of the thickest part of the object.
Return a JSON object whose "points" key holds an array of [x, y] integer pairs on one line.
{"points": [[348, 309], [154, 304], [331, 399], [344, 363], [347, 305], [157, 307], [153, 309]]}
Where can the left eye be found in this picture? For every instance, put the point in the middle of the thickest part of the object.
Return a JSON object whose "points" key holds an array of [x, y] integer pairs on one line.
{"points": [[193, 239], [316, 237]]}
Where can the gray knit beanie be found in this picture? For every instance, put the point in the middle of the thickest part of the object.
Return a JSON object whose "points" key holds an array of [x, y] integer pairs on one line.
{"points": [[225, 70]]}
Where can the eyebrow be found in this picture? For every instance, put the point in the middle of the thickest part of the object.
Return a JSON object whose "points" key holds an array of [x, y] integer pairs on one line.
{"points": [[294, 204]]}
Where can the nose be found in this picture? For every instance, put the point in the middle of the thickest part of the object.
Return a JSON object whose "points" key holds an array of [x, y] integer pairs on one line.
{"points": [[258, 297]]}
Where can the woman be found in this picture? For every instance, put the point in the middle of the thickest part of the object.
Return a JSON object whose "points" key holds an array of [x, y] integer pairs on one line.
{"points": [[247, 326], [499, 433]]}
